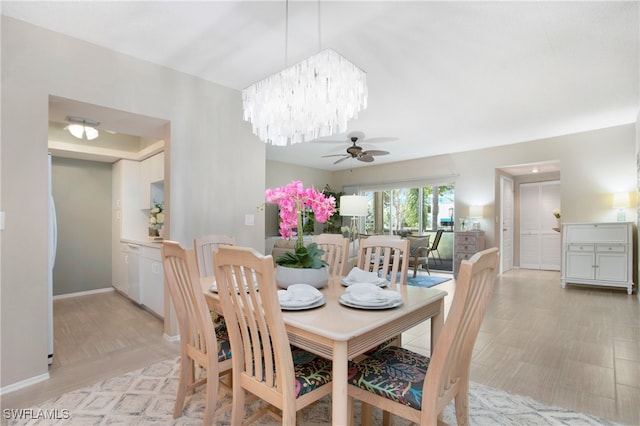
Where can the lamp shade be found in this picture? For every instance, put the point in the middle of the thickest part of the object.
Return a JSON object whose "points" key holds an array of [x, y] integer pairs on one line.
{"points": [[621, 200], [353, 205], [475, 211]]}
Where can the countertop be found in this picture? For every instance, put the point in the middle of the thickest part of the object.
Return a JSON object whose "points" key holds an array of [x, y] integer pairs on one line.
{"points": [[143, 242]]}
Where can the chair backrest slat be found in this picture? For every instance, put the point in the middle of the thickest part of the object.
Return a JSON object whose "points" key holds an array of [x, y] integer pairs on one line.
{"points": [[336, 251], [205, 246], [386, 256]]}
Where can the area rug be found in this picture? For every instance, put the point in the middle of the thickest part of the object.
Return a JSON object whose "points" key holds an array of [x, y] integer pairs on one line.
{"points": [[146, 397], [426, 280]]}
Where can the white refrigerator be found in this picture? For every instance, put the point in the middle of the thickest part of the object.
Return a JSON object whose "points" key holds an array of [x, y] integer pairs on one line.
{"points": [[53, 238]]}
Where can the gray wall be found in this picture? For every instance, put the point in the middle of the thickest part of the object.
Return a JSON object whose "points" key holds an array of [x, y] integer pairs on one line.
{"points": [[82, 193], [210, 189]]}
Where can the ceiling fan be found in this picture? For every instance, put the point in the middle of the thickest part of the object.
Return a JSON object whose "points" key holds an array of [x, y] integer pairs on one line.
{"points": [[357, 152]]}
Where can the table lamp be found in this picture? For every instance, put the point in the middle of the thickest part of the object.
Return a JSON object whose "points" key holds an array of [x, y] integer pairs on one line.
{"points": [[354, 206], [621, 202], [475, 213]]}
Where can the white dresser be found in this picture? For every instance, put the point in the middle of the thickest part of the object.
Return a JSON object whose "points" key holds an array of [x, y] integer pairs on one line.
{"points": [[466, 244], [598, 254]]}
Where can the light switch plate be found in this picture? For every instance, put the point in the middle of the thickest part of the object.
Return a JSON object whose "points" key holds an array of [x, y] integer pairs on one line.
{"points": [[249, 219], [1, 221]]}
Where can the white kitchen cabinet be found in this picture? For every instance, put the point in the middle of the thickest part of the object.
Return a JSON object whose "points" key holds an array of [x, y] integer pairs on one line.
{"points": [[151, 180], [598, 254], [152, 294]]}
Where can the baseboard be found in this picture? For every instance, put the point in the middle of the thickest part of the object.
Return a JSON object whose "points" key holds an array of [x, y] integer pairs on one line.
{"points": [[171, 339], [24, 383], [83, 293]]}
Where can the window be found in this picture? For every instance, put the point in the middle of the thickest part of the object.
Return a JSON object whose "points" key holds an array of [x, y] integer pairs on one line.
{"points": [[407, 210]]}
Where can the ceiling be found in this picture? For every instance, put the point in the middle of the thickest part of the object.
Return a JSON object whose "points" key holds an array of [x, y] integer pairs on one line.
{"points": [[443, 77]]}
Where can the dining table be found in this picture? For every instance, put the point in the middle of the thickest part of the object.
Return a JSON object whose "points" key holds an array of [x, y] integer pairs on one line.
{"points": [[341, 333]]}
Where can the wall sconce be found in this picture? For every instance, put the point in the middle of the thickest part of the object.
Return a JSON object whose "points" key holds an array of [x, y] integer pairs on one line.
{"points": [[475, 213], [621, 202]]}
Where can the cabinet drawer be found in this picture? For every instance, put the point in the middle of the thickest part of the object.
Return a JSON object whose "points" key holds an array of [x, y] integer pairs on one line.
{"points": [[467, 248], [610, 248], [581, 247], [466, 239], [463, 256]]}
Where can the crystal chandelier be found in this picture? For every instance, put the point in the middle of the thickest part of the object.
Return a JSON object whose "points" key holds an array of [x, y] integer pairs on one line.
{"points": [[308, 100]]}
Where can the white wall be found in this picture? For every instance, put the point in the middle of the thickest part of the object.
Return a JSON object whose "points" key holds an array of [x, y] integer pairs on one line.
{"points": [[593, 165], [211, 186]]}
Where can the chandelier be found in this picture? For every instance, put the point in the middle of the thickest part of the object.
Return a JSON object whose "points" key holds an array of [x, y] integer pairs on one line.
{"points": [[308, 100]]}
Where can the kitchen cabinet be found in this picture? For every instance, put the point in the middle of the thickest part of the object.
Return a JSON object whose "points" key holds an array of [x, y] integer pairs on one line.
{"points": [[152, 181], [598, 254], [152, 280], [466, 244]]}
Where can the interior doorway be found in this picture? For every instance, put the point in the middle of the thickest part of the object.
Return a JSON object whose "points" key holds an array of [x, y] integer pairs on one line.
{"points": [[509, 180]]}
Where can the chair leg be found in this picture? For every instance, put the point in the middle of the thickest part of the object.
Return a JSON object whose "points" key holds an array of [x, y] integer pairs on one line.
{"points": [[237, 404], [462, 404], [186, 372], [365, 414], [211, 396]]}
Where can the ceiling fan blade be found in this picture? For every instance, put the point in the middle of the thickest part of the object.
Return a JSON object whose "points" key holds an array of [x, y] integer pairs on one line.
{"points": [[341, 160], [333, 155], [375, 152], [365, 157], [379, 140]]}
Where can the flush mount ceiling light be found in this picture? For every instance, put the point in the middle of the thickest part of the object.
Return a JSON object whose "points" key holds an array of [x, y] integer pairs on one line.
{"points": [[308, 100], [83, 127]]}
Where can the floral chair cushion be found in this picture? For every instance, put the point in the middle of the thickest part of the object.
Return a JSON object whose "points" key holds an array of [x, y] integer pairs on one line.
{"points": [[311, 371], [394, 373], [224, 345]]}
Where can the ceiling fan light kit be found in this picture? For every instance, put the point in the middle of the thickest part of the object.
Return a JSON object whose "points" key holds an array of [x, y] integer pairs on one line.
{"points": [[308, 100]]}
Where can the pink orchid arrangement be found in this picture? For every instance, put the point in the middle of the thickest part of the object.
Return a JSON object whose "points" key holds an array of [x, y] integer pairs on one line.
{"points": [[292, 200]]}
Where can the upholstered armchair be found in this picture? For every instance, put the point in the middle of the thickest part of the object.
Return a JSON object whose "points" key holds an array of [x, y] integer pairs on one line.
{"points": [[419, 249]]}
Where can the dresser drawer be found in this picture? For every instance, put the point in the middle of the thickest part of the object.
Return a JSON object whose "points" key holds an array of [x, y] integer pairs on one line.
{"points": [[582, 247], [462, 256], [467, 247], [611, 248]]}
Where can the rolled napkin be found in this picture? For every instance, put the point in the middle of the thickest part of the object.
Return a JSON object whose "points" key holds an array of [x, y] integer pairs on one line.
{"points": [[299, 294], [357, 275], [371, 293]]}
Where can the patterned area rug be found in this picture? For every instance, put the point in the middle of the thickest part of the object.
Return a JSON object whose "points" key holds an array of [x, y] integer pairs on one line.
{"points": [[426, 280], [146, 397]]}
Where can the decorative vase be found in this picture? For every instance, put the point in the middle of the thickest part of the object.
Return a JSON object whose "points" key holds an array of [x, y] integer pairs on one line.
{"points": [[286, 276]]}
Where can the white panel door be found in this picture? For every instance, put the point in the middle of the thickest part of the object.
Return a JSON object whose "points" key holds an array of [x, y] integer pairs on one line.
{"points": [[539, 244], [506, 218]]}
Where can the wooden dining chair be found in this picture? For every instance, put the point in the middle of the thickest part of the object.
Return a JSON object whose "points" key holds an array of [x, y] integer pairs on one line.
{"points": [[386, 256], [264, 363], [415, 387], [201, 343], [205, 245], [336, 251]]}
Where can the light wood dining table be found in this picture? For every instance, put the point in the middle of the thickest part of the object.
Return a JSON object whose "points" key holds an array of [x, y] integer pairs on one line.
{"points": [[341, 333]]}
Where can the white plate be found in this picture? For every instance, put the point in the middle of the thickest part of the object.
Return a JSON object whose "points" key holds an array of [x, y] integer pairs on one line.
{"points": [[347, 301], [380, 283], [301, 308]]}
